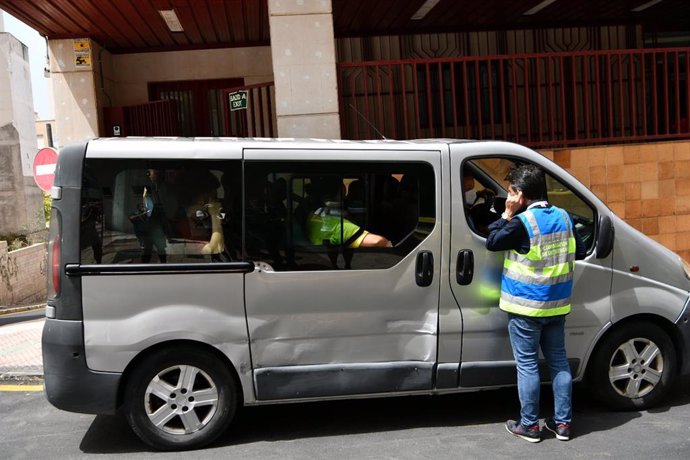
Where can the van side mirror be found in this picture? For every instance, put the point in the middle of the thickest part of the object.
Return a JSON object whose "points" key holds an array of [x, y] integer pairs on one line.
{"points": [[605, 237]]}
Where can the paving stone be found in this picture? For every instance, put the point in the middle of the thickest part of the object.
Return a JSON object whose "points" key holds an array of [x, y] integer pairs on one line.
{"points": [[20, 348]]}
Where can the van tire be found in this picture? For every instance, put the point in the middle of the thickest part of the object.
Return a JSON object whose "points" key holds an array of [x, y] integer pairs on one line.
{"points": [[618, 375], [169, 384]]}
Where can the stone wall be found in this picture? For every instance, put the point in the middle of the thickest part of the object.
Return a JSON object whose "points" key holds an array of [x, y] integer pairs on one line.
{"points": [[23, 274], [648, 185]]}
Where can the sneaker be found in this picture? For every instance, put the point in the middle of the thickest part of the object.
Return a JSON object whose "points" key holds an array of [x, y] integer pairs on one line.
{"points": [[528, 433], [561, 430]]}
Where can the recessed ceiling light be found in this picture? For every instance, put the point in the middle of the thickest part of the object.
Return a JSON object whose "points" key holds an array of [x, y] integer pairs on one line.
{"points": [[424, 9], [171, 20], [537, 8], [644, 6]]}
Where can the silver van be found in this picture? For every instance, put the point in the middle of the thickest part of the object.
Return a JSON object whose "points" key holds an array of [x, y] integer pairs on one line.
{"points": [[189, 277]]}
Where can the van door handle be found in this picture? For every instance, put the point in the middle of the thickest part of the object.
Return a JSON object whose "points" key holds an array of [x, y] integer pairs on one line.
{"points": [[424, 272], [464, 267]]}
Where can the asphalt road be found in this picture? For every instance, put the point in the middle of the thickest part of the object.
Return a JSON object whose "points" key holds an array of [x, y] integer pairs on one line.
{"points": [[443, 427], [23, 316]]}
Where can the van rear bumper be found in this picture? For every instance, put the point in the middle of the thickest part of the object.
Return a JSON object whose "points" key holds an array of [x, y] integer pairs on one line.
{"points": [[69, 384], [683, 325]]}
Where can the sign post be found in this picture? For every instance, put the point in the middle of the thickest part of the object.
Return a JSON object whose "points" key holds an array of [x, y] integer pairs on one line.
{"points": [[238, 100], [44, 168]]}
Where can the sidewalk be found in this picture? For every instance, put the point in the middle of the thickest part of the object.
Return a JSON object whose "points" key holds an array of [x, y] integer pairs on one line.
{"points": [[20, 345]]}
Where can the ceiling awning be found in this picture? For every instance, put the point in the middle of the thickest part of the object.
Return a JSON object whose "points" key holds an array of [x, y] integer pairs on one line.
{"points": [[165, 25]]}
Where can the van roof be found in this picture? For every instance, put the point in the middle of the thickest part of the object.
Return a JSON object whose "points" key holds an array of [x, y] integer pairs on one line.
{"points": [[285, 140], [211, 147]]}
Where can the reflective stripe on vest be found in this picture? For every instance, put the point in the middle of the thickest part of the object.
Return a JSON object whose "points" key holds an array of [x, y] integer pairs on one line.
{"points": [[540, 283]]}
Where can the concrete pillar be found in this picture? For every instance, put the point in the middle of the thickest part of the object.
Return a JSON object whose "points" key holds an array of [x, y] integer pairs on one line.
{"points": [[21, 201], [73, 71], [303, 50]]}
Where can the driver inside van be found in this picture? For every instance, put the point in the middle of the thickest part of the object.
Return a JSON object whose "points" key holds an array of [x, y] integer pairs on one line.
{"points": [[479, 212], [471, 194]]}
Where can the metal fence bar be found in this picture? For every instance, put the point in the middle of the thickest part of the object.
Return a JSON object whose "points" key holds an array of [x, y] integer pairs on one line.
{"points": [[454, 99], [515, 111], [677, 95], [667, 113], [466, 100], [501, 72], [480, 118], [404, 100]]}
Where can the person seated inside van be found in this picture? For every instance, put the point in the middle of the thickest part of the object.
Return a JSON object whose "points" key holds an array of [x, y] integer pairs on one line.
{"points": [[471, 194], [205, 209], [328, 224], [478, 204]]}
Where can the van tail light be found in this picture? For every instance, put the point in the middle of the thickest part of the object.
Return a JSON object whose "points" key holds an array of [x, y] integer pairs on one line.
{"points": [[54, 254]]}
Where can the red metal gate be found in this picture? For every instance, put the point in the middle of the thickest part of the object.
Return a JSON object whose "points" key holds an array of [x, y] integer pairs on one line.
{"points": [[258, 118], [546, 99], [158, 118]]}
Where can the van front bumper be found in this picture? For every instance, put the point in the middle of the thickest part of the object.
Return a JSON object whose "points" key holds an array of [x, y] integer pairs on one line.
{"points": [[683, 325], [69, 384]]}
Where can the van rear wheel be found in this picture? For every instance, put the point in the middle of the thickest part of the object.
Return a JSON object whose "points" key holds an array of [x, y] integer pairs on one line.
{"points": [[634, 367], [179, 399]]}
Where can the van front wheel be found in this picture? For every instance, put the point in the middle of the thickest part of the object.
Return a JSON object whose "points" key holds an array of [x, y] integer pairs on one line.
{"points": [[179, 399], [634, 367]]}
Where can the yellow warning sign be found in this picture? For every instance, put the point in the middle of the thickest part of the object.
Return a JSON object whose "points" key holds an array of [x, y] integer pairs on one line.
{"points": [[82, 60], [81, 44]]}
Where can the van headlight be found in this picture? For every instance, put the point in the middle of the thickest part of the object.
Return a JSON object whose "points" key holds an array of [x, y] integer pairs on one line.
{"points": [[686, 267]]}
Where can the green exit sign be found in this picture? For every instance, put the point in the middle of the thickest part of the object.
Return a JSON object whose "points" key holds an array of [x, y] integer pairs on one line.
{"points": [[238, 100]]}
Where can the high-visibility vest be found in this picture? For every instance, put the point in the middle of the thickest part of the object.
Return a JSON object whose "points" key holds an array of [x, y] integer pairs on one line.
{"points": [[540, 283]]}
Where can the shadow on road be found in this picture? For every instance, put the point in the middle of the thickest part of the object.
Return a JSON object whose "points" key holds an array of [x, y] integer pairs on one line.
{"points": [[111, 434]]}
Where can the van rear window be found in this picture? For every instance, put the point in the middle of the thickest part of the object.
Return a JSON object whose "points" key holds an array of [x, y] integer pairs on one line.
{"points": [[148, 211]]}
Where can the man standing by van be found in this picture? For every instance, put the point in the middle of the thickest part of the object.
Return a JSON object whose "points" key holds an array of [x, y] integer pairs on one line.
{"points": [[541, 247]]}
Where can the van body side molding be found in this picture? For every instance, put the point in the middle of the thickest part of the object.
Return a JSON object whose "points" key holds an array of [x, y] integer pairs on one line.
{"points": [[482, 374], [292, 382], [157, 269], [447, 375]]}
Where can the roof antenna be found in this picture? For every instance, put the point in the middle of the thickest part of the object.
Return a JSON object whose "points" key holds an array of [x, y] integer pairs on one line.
{"points": [[369, 123]]}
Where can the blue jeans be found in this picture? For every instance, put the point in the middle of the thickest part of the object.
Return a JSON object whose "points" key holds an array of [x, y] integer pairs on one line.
{"points": [[526, 336]]}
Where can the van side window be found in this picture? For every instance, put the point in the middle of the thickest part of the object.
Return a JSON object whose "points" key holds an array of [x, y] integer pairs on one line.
{"points": [[489, 173], [336, 215], [153, 211]]}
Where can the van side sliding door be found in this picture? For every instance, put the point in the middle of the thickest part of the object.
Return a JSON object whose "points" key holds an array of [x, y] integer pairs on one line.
{"points": [[328, 311]]}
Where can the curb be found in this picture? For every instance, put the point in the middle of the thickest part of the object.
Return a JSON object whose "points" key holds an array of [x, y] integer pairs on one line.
{"points": [[18, 375], [11, 310]]}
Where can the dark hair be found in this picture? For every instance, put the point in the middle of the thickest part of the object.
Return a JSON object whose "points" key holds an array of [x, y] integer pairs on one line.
{"points": [[528, 179]]}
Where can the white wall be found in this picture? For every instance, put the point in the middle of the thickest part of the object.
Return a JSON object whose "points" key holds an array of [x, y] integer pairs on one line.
{"points": [[21, 209], [16, 100]]}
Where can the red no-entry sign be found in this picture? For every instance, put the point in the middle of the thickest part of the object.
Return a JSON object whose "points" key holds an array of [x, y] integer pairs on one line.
{"points": [[44, 168]]}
